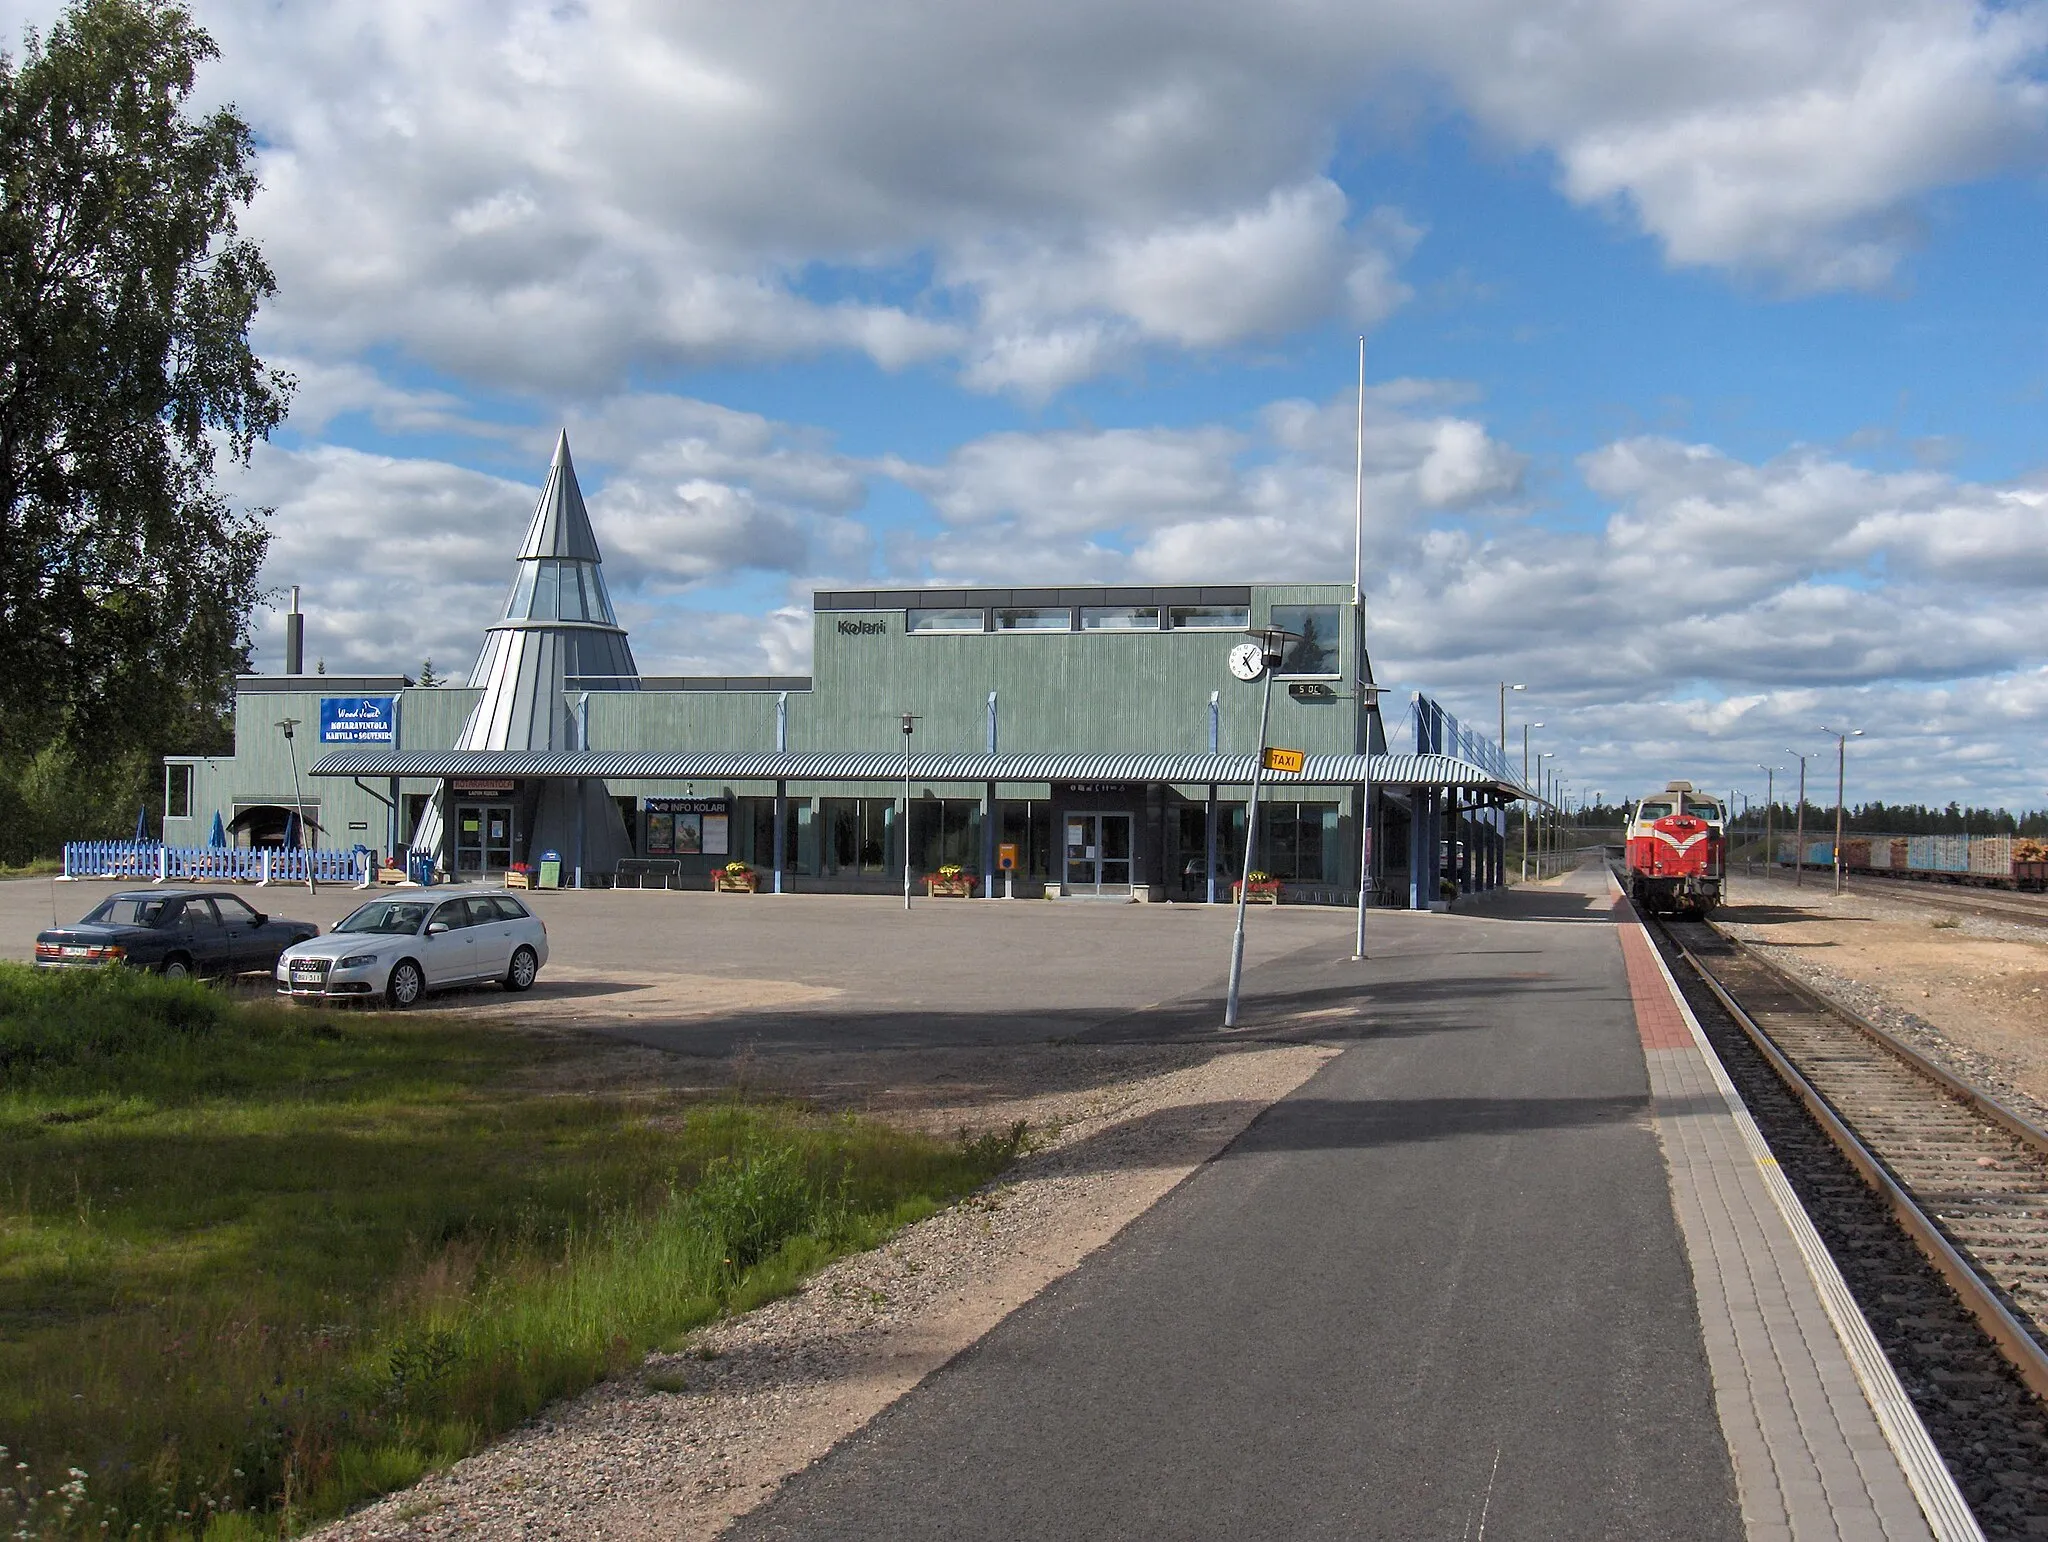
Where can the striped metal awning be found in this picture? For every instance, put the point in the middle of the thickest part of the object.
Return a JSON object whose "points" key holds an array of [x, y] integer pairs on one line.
{"points": [[881, 766]]}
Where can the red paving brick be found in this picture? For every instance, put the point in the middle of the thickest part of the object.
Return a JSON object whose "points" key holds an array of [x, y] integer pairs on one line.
{"points": [[1658, 1022]]}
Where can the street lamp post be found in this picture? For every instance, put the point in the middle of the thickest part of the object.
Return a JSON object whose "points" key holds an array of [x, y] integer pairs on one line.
{"points": [[909, 728], [1367, 696], [1528, 805], [1770, 811], [299, 798], [1504, 689], [1543, 802], [1271, 645], [1799, 835], [1842, 739]]}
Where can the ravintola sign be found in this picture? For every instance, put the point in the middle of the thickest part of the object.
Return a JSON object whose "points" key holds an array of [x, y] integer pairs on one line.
{"points": [[359, 720]]}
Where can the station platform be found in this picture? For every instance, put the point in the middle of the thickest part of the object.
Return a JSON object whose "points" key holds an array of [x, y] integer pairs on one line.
{"points": [[1513, 1265]]}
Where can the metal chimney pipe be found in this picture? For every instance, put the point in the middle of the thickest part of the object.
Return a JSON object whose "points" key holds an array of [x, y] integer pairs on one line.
{"points": [[295, 638]]}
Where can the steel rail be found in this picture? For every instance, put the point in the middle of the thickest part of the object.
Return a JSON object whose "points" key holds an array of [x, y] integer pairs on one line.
{"points": [[1978, 1295]]}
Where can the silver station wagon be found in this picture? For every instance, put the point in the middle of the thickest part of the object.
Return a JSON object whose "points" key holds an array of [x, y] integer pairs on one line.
{"points": [[404, 945]]}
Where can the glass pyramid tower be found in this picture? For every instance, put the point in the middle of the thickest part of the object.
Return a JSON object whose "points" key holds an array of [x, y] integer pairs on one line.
{"points": [[558, 633]]}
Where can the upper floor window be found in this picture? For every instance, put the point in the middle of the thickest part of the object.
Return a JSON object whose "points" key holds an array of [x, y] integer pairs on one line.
{"points": [[1119, 618], [1208, 618], [945, 621], [1034, 618], [1312, 647], [177, 792]]}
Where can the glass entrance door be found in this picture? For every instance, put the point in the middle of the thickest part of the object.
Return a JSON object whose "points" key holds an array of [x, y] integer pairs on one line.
{"points": [[483, 837], [1098, 854]]}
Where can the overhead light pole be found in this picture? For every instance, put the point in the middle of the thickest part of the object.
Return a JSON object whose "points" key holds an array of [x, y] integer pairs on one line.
{"points": [[1266, 655], [1842, 738], [1528, 803], [1504, 689], [1541, 811], [909, 728], [1770, 811], [289, 725], [1367, 696], [1799, 838]]}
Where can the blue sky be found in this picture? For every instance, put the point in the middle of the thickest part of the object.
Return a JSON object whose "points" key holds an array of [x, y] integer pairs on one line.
{"points": [[1707, 343]]}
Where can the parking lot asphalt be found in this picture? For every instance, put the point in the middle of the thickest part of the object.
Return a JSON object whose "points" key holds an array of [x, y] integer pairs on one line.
{"points": [[705, 974]]}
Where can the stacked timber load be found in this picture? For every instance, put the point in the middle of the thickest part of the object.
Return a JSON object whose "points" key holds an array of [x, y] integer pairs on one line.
{"points": [[1991, 856]]}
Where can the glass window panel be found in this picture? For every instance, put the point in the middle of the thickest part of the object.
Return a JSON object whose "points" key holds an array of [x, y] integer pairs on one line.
{"points": [[522, 590], [177, 792], [1208, 618], [599, 596], [945, 620], [1119, 618], [545, 601], [572, 592], [1034, 618], [1312, 650]]}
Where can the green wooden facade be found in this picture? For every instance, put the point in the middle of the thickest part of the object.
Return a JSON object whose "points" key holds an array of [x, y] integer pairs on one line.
{"points": [[1069, 690]]}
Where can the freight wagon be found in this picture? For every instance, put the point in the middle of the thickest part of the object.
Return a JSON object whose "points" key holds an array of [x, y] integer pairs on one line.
{"points": [[1986, 861]]}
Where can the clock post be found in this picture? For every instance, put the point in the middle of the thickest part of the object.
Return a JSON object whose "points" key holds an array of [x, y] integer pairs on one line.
{"points": [[1251, 661]]}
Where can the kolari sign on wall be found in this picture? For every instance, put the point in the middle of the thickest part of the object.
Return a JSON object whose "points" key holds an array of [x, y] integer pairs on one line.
{"points": [[358, 719]]}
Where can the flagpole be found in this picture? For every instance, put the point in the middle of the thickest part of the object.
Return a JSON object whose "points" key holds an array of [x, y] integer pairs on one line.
{"points": [[1365, 692]]}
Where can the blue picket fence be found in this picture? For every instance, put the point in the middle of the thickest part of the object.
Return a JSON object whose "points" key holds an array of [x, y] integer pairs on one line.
{"points": [[233, 864]]}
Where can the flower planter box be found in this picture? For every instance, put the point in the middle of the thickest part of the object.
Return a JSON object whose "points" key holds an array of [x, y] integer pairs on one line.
{"points": [[734, 883], [391, 875], [1255, 894], [950, 888], [517, 878]]}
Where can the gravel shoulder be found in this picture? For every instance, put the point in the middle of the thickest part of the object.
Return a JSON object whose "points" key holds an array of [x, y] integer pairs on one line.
{"points": [[1967, 991], [697, 1438]]}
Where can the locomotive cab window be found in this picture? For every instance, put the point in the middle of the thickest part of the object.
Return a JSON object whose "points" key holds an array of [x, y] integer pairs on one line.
{"points": [[1653, 811], [1703, 810]]}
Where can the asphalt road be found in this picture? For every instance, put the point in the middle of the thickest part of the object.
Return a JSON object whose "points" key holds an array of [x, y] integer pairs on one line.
{"points": [[1436, 1293]]}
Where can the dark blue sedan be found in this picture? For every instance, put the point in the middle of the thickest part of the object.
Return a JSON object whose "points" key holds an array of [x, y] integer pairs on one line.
{"points": [[176, 932]]}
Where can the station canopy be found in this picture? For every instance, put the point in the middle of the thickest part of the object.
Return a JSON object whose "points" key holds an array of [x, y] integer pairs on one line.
{"points": [[884, 766]]}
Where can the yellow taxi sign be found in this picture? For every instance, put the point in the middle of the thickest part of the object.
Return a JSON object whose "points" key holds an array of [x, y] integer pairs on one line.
{"points": [[1285, 760]]}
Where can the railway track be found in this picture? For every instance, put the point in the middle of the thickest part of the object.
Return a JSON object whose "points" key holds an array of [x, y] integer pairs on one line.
{"points": [[1965, 1176], [1993, 904]]}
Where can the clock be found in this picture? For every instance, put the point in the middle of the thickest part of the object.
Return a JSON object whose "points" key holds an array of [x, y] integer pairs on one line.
{"points": [[1248, 660]]}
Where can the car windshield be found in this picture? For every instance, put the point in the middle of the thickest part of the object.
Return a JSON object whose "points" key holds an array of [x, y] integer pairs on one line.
{"points": [[390, 916], [132, 910]]}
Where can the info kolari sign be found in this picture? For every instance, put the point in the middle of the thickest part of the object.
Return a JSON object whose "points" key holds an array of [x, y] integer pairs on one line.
{"points": [[359, 720]]}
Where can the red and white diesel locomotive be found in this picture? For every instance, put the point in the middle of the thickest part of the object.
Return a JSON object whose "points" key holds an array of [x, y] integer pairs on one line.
{"points": [[1677, 851]]}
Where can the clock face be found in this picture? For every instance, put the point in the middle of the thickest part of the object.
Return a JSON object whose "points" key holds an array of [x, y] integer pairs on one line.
{"points": [[1248, 661]]}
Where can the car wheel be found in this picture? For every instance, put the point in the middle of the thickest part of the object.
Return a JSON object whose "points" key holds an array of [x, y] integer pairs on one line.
{"points": [[177, 967], [405, 985], [524, 968]]}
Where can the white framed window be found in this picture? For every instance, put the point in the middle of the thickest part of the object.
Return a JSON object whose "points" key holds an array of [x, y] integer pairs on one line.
{"points": [[1034, 618], [177, 792], [1119, 618], [945, 620], [1209, 618]]}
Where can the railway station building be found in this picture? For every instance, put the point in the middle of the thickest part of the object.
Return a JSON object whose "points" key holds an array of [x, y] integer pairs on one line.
{"points": [[1092, 735]]}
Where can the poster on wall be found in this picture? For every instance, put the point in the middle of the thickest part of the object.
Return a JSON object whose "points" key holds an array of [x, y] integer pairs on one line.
{"points": [[688, 827]]}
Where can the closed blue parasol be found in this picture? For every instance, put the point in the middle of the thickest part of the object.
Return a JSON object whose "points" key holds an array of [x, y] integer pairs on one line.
{"points": [[142, 823], [220, 834], [291, 831]]}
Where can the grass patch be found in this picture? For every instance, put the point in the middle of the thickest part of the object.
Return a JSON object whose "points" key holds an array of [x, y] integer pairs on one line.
{"points": [[258, 1265]]}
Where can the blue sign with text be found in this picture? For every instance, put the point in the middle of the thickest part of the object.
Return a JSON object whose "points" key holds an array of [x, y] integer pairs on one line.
{"points": [[359, 720]]}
